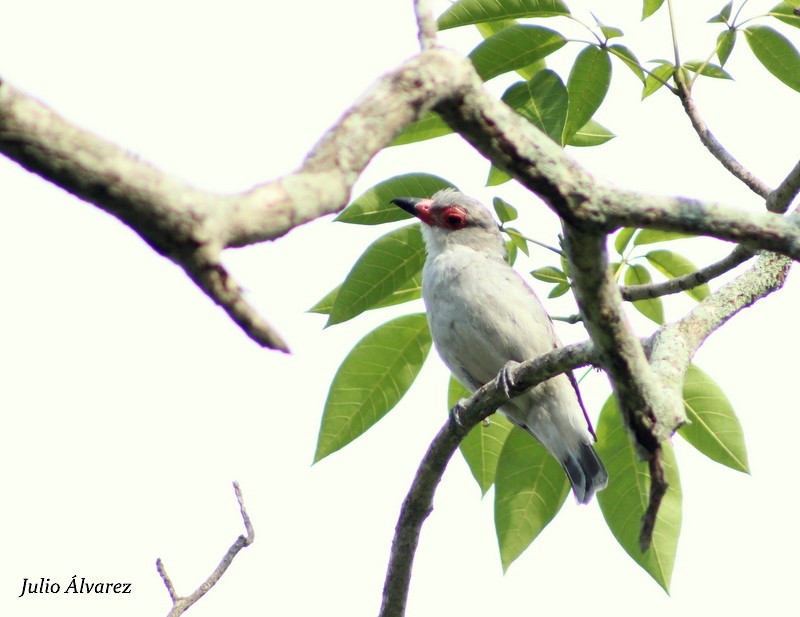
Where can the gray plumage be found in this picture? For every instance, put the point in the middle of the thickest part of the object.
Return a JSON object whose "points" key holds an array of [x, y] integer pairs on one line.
{"points": [[482, 315]]}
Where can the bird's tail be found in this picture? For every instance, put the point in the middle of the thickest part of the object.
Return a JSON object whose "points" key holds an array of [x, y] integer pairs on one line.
{"points": [[585, 471]]}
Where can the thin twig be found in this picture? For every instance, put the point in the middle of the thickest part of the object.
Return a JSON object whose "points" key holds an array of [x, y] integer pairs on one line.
{"points": [[426, 24], [782, 197], [658, 488], [181, 604], [736, 257], [713, 145]]}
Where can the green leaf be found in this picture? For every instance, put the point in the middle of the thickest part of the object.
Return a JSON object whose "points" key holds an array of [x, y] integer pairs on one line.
{"points": [[559, 290], [429, 127], [488, 28], [324, 305], [785, 11], [530, 488], [408, 291], [723, 16], [629, 58], [725, 42], [776, 53], [714, 430], [652, 308], [651, 236], [497, 176], [549, 274], [505, 211], [672, 266], [374, 207], [657, 78], [382, 269], [511, 252], [372, 379], [608, 31], [543, 101], [591, 134], [650, 7], [624, 500], [514, 47], [466, 12], [517, 239], [623, 238], [587, 87], [707, 69], [482, 446]]}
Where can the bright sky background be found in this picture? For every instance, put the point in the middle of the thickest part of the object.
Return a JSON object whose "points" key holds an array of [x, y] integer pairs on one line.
{"points": [[130, 402]]}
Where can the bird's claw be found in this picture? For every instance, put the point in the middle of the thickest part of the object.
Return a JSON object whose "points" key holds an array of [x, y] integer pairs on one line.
{"points": [[457, 411], [505, 381]]}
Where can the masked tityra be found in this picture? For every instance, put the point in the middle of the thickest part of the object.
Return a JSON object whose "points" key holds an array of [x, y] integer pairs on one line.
{"points": [[482, 315]]}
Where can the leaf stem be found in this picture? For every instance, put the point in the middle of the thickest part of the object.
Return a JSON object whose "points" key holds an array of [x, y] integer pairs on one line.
{"points": [[674, 32], [514, 232]]}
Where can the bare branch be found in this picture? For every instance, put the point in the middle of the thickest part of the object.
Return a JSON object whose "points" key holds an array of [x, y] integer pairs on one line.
{"points": [[649, 415], [658, 488], [172, 217], [181, 604], [192, 227], [418, 503], [426, 24], [715, 147], [736, 257], [675, 344], [782, 197], [582, 200]]}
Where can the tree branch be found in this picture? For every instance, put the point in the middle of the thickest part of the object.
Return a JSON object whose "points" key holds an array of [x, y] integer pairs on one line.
{"points": [[658, 488], [418, 503], [648, 414], [181, 604], [192, 227], [675, 344], [717, 150], [426, 24], [782, 197], [736, 257]]}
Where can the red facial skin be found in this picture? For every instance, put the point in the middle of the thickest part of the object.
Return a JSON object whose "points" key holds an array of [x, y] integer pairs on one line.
{"points": [[452, 217]]}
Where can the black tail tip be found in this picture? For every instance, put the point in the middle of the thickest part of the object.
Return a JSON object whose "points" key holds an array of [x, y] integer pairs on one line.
{"points": [[586, 473]]}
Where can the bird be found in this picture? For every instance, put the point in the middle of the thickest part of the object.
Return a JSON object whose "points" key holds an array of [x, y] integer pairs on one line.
{"points": [[484, 317]]}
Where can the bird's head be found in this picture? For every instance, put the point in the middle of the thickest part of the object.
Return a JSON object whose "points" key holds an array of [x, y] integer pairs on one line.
{"points": [[451, 218]]}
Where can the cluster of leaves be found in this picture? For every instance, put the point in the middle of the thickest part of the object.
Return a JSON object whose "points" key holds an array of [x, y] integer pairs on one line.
{"points": [[530, 486]]}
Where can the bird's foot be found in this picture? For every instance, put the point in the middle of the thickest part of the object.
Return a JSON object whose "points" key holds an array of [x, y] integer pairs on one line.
{"points": [[457, 411], [505, 380]]}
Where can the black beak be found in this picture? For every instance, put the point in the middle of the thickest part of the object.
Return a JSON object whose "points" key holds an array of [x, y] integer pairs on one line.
{"points": [[409, 204]]}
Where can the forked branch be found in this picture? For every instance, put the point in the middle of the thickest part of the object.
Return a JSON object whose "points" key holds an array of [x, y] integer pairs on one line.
{"points": [[181, 603]]}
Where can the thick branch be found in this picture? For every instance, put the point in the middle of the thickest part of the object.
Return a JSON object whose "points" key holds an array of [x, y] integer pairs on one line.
{"points": [[172, 217], [181, 604], [192, 227], [418, 503], [649, 415], [514, 145], [736, 257]]}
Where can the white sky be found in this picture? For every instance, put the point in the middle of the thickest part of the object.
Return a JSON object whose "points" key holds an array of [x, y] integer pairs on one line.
{"points": [[131, 402]]}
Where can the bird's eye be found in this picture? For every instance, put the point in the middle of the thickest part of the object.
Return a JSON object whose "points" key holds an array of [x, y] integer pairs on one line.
{"points": [[455, 218]]}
